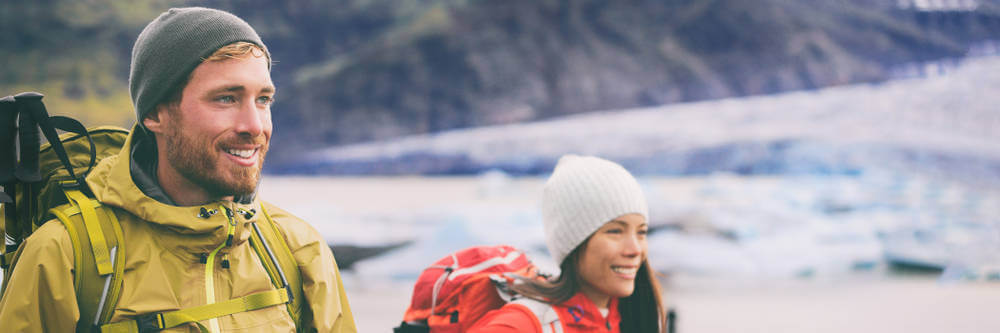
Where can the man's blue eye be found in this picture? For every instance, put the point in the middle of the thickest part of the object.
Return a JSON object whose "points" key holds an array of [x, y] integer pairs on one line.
{"points": [[226, 99], [266, 100]]}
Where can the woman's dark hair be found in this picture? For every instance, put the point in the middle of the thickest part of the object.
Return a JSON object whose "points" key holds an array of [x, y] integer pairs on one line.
{"points": [[556, 290], [642, 311]]}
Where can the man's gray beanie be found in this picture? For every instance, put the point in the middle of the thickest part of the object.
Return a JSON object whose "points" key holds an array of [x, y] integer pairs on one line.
{"points": [[176, 42]]}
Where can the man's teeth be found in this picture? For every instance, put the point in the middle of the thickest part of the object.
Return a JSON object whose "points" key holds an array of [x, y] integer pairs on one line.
{"points": [[244, 153], [624, 270]]}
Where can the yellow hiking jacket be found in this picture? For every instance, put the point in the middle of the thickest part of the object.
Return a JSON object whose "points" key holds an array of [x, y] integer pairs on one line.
{"points": [[164, 270]]}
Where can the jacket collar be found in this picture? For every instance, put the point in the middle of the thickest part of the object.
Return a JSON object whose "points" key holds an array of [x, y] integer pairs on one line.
{"points": [[142, 165], [112, 183], [580, 311]]}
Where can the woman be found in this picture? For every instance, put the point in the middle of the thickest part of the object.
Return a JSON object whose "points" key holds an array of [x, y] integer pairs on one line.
{"points": [[595, 218]]}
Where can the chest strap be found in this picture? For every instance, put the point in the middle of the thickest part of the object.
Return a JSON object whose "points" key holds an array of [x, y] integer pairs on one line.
{"points": [[545, 313], [155, 322]]}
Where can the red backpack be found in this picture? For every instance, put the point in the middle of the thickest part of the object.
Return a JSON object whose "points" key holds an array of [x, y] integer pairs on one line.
{"points": [[457, 290]]}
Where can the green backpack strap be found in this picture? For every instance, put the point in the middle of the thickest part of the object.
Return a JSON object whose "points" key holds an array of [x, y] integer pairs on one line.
{"points": [[155, 322], [98, 259], [270, 246]]}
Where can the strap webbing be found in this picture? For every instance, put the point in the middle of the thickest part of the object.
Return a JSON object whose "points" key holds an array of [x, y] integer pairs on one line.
{"points": [[6, 259], [170, 319], [544, 312], [97, 242]]}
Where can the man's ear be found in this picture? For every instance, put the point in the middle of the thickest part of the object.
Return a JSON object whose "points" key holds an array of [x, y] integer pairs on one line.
{"points": [[156, 120]]}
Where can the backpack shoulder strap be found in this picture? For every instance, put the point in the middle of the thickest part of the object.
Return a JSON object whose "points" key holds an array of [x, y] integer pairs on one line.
{"points": [[544, 312], [277, 259], [274, 253], [99, 260]]}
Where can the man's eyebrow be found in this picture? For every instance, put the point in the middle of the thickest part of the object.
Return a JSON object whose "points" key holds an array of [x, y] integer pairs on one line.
{"points": [[236, 88], [239, 88]]}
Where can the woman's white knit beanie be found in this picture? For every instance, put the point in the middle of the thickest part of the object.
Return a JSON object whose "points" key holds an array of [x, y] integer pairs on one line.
{"points": [[584, 193]]}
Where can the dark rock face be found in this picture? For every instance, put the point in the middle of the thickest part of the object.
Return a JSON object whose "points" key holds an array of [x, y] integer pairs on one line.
{"points": [[357, 70], [462, 64]]}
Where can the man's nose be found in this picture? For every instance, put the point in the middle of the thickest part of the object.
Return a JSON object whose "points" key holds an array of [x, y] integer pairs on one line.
{"points": [[250, 120]]}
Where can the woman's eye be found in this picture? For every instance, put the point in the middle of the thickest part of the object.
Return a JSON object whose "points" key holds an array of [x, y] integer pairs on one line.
{"points": [[643, 232], [614, 231]]}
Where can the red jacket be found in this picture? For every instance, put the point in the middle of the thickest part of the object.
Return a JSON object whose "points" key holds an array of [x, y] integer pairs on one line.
{"points": [[578, 314]]}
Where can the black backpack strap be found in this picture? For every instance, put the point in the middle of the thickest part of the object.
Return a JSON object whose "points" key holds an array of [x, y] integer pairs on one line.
{"points": [[33, 117], [21, 169], [405, 327], [73, 126]]}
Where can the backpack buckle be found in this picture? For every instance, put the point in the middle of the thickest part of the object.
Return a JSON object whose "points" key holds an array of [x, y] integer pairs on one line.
{"points": [[149, 322], [70, 184]]}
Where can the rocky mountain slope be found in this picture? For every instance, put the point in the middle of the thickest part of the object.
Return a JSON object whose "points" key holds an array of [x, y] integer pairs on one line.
{"points": [[358, 70]]}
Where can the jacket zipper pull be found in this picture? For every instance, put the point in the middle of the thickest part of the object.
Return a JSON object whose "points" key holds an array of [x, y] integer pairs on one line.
{"points": [[247, 214], [232, 226], [206, 213]]}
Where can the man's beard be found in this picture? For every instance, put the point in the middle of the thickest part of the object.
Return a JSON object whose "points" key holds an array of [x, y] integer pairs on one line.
{"points": [[196, 159]]}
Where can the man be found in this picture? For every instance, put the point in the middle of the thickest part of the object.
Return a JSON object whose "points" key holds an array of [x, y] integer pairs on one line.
{"points": [[183, 189]]}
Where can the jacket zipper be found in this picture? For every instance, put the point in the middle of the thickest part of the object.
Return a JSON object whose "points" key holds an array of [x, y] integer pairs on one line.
{"points": [[210, 266]]}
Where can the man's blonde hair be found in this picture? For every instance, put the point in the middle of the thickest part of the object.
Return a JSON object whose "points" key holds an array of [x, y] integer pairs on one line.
{"points": [[237, 50]]}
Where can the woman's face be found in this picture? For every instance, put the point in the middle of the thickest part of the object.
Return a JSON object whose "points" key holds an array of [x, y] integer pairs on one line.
{"points": [[610, 259]]}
